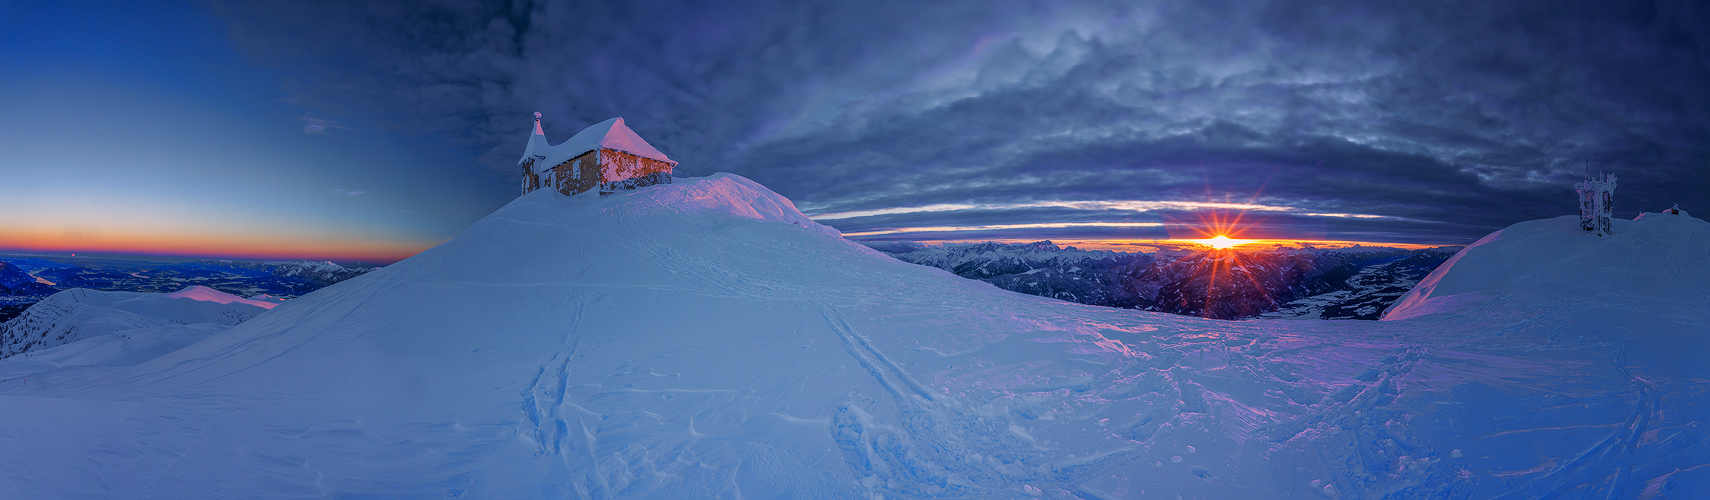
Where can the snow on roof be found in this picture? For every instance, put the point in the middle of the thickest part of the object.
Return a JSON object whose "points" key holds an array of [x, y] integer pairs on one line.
{"points": [[610, 134]]}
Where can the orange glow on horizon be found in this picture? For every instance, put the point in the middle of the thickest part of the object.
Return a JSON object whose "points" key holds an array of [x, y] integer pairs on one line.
{"points": [[1221, 242], [1138, 245], [1214, 228], [238, 246]]}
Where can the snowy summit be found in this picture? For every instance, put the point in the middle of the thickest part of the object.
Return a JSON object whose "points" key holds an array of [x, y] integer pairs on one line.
{"points": [[716, 343], [1656, 263]]}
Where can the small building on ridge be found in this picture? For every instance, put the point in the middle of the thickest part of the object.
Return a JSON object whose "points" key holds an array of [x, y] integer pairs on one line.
{"points": [[607, 156]]}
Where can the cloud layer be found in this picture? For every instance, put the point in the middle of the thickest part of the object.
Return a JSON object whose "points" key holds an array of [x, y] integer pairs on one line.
{"points": [[1435, 121]]}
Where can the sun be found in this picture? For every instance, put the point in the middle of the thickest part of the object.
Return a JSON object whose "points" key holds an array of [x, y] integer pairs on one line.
{"points": [[1221, 242], [1218, 229]]}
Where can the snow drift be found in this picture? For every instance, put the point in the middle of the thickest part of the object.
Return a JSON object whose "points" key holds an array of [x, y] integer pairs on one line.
{"points": [[705, 340]]}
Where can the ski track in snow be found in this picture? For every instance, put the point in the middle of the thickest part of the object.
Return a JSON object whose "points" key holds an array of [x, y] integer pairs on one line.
{"points": [[942, 446], [1613, 452]]}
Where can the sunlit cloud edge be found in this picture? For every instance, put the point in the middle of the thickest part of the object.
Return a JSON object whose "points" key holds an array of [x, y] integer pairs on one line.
{"points": [[998, 227], [1127, 206]]}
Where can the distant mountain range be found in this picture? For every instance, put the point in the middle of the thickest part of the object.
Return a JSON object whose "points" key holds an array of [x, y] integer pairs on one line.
{"points": [[26, 279], [1278, 282], [14, 281]]}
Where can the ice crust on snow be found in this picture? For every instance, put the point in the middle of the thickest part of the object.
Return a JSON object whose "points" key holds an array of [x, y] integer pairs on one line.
{"points": [[610, 134], [703, 339]]}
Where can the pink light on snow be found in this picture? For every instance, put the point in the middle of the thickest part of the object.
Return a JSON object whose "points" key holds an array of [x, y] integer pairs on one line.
{"points": [[204, 294]]}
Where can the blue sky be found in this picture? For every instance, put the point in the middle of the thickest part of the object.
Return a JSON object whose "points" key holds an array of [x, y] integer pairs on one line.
{"points": [[139, 126], [372, 130]]}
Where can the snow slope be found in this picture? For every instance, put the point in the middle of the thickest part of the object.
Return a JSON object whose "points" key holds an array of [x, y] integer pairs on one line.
{"points": [[1659, 263], [78, 313], [705, 340]]}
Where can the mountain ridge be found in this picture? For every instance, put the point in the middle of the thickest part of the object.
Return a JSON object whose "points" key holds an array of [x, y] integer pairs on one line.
{"points": [[703, 339], [77, 314], [1341, 283]]}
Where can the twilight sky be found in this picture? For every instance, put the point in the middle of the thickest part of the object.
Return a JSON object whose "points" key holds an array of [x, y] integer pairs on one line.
{"points": [[372, 130]]}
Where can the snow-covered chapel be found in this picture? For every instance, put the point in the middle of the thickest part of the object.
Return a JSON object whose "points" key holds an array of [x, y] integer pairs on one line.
{"points": [[607, 155]]}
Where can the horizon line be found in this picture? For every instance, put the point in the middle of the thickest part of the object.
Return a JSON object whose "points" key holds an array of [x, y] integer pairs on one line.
{"points": [[1133, 245], [144, 255]]}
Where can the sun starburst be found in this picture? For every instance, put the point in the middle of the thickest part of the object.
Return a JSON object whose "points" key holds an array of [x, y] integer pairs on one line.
{"points": [[1221, 242], [1235, 281]]}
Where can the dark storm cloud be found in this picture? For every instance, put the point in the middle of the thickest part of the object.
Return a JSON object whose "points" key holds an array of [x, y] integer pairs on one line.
{"points": [[1452, 118]]}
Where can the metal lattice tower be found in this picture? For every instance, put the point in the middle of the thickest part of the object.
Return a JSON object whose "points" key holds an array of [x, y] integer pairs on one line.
{"points": [[1596, 202]]}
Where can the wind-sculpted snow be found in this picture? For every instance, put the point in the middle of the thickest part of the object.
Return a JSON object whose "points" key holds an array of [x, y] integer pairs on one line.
{"points": [[698, 340]]}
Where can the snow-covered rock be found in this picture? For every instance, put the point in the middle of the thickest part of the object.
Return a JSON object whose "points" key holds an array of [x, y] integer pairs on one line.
{"points": [[704, 340]]}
